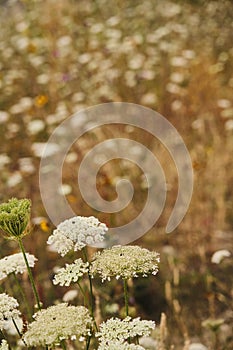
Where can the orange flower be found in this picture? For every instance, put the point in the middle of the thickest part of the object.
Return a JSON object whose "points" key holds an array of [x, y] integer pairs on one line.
{"points": [[41, 100]]}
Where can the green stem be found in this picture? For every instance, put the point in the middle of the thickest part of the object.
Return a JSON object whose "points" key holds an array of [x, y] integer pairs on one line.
{"points": [[63, 344], [88, 342], [126, 297], [30, 274], [23, 295], [18, 331], [83, 294], [91, 290]]}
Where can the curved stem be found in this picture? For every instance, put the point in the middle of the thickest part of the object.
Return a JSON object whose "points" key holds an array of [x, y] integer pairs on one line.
{"points": [[30, 274], [126, 297]]}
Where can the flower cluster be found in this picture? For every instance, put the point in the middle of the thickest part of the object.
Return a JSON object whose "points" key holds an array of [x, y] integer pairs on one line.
{"points": [[71, 273], [14, 217], [124, 262], [56, 323], [76, 233], [117, 345], [8, 309], [4, 345], [15, 263], [116, 330]]}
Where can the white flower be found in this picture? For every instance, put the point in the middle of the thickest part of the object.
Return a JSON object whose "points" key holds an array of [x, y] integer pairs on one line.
{"points": [[117, 330], [124, 262], [197, 346], [9, 326], [4, 345], [70, 295], [8, 309], [117, 345], [148, 343], [71, 273], [15, 263], [219, 255], [56, 323], [76, 233]]}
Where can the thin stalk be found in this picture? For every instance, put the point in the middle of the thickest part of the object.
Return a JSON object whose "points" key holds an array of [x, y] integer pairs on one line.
{"points": [[91, 290], [18, 331], [30, 274], [86, 303], [88, 342], [23, 295], [63, 344], [126, 294]]}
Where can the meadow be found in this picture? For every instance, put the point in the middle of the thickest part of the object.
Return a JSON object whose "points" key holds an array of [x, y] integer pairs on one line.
{"points": [[175, 57]]}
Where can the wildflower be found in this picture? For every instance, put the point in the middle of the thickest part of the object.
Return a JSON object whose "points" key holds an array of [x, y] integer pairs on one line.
{"points": [[124, 262], [15, 263], [219, 255], [41, 100], [70, 295], [56, 323], [14, 217], [71, 273], [116, 345], [76, 233], [8, 309], [117, 330], [4, 345]]}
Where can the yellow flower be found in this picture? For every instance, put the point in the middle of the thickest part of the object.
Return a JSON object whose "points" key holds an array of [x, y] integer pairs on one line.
{"points": [[41, 100]]}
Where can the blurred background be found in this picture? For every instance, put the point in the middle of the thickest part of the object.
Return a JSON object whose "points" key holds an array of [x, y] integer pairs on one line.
{"points": [[175, 57]]}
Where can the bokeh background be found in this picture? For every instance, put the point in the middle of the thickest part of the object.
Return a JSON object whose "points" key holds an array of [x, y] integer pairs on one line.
{"points": [[175, 57]]}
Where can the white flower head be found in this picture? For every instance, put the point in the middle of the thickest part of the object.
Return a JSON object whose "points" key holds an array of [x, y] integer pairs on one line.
{"points": [[219, 255], [117, 345], [117, 330], [4, 345], [15, 264], [71, 273], [124, 262], [8, 309], [56, 323], [76, 233]]}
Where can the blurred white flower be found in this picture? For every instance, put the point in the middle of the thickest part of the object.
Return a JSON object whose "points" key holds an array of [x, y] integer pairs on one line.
{"points": [[229, 125], [26, 165], [224, 103], [70, 295], [178, 61], [4, 116], [35, 126], [4, 160], [14, 179], [219, 255], [43, 79], [64, 189], [197, 346]]}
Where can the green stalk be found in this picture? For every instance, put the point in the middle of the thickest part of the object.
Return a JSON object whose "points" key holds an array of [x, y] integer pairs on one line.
{"points": [[30, 274], [63, 344], [23, 295], [126, 297], [91, 290], [83, 294]]}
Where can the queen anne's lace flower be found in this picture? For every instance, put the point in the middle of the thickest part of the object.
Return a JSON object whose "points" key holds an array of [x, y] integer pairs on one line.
{"points": [[117, 330], [15, 263], [76, 233], [71, 273], [124, 262], [8, 309], [14, 217], [4, 345], [56, 323], [116, 345]]}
